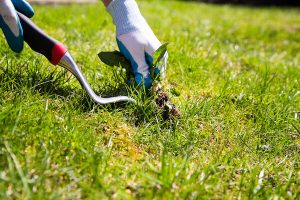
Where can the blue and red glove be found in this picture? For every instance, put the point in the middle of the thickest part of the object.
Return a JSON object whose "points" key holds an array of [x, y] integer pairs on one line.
{"points": [[10, 23], [136, 40]]}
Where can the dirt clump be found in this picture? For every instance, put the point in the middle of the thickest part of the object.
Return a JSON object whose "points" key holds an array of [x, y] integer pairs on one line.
{"points": [[162, 100]]}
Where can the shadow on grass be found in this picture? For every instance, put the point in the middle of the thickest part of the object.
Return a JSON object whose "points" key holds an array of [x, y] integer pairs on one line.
{"points": [[20, 76]]}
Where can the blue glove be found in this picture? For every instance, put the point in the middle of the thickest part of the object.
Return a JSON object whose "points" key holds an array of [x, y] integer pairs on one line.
{"points": [[10, 23], [136, 40]]}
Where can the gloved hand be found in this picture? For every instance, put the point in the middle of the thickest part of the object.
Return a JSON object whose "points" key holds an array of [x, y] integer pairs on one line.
{"points": [[136, 40], [10, 24]]}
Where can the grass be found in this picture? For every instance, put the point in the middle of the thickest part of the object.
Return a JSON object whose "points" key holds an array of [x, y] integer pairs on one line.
{"points": [[237, 69]]}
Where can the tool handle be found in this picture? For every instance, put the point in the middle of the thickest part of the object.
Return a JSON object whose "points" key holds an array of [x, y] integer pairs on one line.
{"points": [[40, 42]]}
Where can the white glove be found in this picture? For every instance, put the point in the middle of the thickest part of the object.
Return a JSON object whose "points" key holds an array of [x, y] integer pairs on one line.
{"points": [[136, 40], [10, 24]]}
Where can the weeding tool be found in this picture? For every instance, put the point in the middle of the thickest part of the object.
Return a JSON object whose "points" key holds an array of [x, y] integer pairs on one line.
{"points": [[57, 54]]}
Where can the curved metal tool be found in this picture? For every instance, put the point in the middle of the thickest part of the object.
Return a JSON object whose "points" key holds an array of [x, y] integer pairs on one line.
{"points": [[57, 54], [68, 63]]}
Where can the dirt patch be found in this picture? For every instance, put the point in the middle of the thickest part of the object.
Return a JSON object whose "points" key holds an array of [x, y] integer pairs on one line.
{"points": [[162, 100]]}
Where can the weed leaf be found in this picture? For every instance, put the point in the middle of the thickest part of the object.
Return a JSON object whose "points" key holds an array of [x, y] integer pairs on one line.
{"points": [[114, 58], [159, 53]]}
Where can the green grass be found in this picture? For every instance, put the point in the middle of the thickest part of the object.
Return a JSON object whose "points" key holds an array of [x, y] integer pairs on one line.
{"points": [[237, 70]]}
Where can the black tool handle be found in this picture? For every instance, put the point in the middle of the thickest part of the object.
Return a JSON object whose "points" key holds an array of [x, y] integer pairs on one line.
{"points": [[40, 42]]}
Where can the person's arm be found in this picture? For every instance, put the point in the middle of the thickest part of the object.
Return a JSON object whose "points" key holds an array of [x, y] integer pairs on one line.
{"points": [[10, 23], [135, 39]]}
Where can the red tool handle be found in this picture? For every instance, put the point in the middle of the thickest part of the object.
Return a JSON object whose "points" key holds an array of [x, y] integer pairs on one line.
{"points": [[40, 42]]}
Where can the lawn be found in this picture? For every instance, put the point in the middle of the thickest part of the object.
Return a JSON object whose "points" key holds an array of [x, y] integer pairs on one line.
{"points": [[237, 70]]}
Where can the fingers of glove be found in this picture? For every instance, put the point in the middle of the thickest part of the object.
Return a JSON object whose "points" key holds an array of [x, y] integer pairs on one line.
{"points": [[11, 26], [149, 59], [23, 7], [132, 47]]}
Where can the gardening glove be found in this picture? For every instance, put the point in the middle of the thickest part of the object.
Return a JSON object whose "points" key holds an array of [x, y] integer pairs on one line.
{"points": [[136, 40], [10, 23]]}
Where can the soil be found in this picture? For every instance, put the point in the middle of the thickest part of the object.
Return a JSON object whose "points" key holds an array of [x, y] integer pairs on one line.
{"points": [[163, 102]]}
